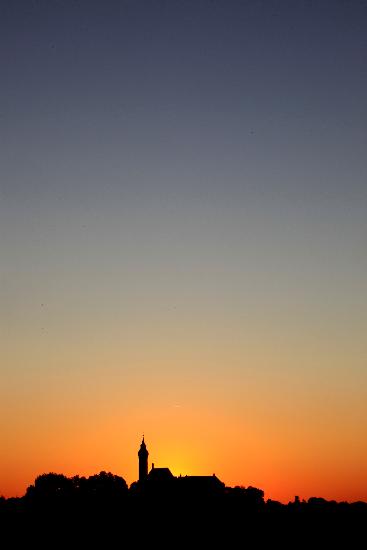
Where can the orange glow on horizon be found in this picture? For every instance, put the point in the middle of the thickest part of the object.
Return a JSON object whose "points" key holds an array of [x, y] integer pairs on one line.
{"points": [[189, 443], [250, 425]]}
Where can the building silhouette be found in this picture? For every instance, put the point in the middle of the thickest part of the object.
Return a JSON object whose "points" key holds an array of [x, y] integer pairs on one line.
{"points": [[143, 461], [161, 480]]}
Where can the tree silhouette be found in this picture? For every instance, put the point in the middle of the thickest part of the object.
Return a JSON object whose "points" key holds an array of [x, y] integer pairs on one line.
{"points": [[58, 490], [100, 486], [51, 487], [55, 504]]}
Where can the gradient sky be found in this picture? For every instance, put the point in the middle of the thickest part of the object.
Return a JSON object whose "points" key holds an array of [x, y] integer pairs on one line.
{"points": [[183, 232]]}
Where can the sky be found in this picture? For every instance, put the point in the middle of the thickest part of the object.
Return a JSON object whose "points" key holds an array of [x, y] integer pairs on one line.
{"points": [[183, 229]]}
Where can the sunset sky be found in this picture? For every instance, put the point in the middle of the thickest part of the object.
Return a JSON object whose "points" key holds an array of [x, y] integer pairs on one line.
{"points": [[183, 233]]}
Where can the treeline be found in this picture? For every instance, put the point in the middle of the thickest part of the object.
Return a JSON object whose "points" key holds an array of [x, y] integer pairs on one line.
{"points": [[104, 503], [54, 489]]}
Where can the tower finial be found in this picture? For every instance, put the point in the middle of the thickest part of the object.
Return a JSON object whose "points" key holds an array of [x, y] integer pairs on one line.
{"points": [[143, 460]]}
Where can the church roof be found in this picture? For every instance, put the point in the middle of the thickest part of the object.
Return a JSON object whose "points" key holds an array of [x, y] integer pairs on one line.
{"points": [[160, 474], [201, 483]]}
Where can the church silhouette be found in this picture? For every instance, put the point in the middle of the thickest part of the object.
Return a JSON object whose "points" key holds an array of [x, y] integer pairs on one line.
{"points": [[161, 480]]}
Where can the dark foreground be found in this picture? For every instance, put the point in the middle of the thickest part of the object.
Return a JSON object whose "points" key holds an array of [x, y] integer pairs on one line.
{"points": [[103, 512], [203, 522]]}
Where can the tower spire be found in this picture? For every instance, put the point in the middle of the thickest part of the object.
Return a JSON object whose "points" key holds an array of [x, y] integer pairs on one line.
{"points": [[143, 460]]}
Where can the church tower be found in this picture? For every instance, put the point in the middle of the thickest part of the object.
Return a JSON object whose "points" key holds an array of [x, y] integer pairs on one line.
{"points": [[143, 461]]}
